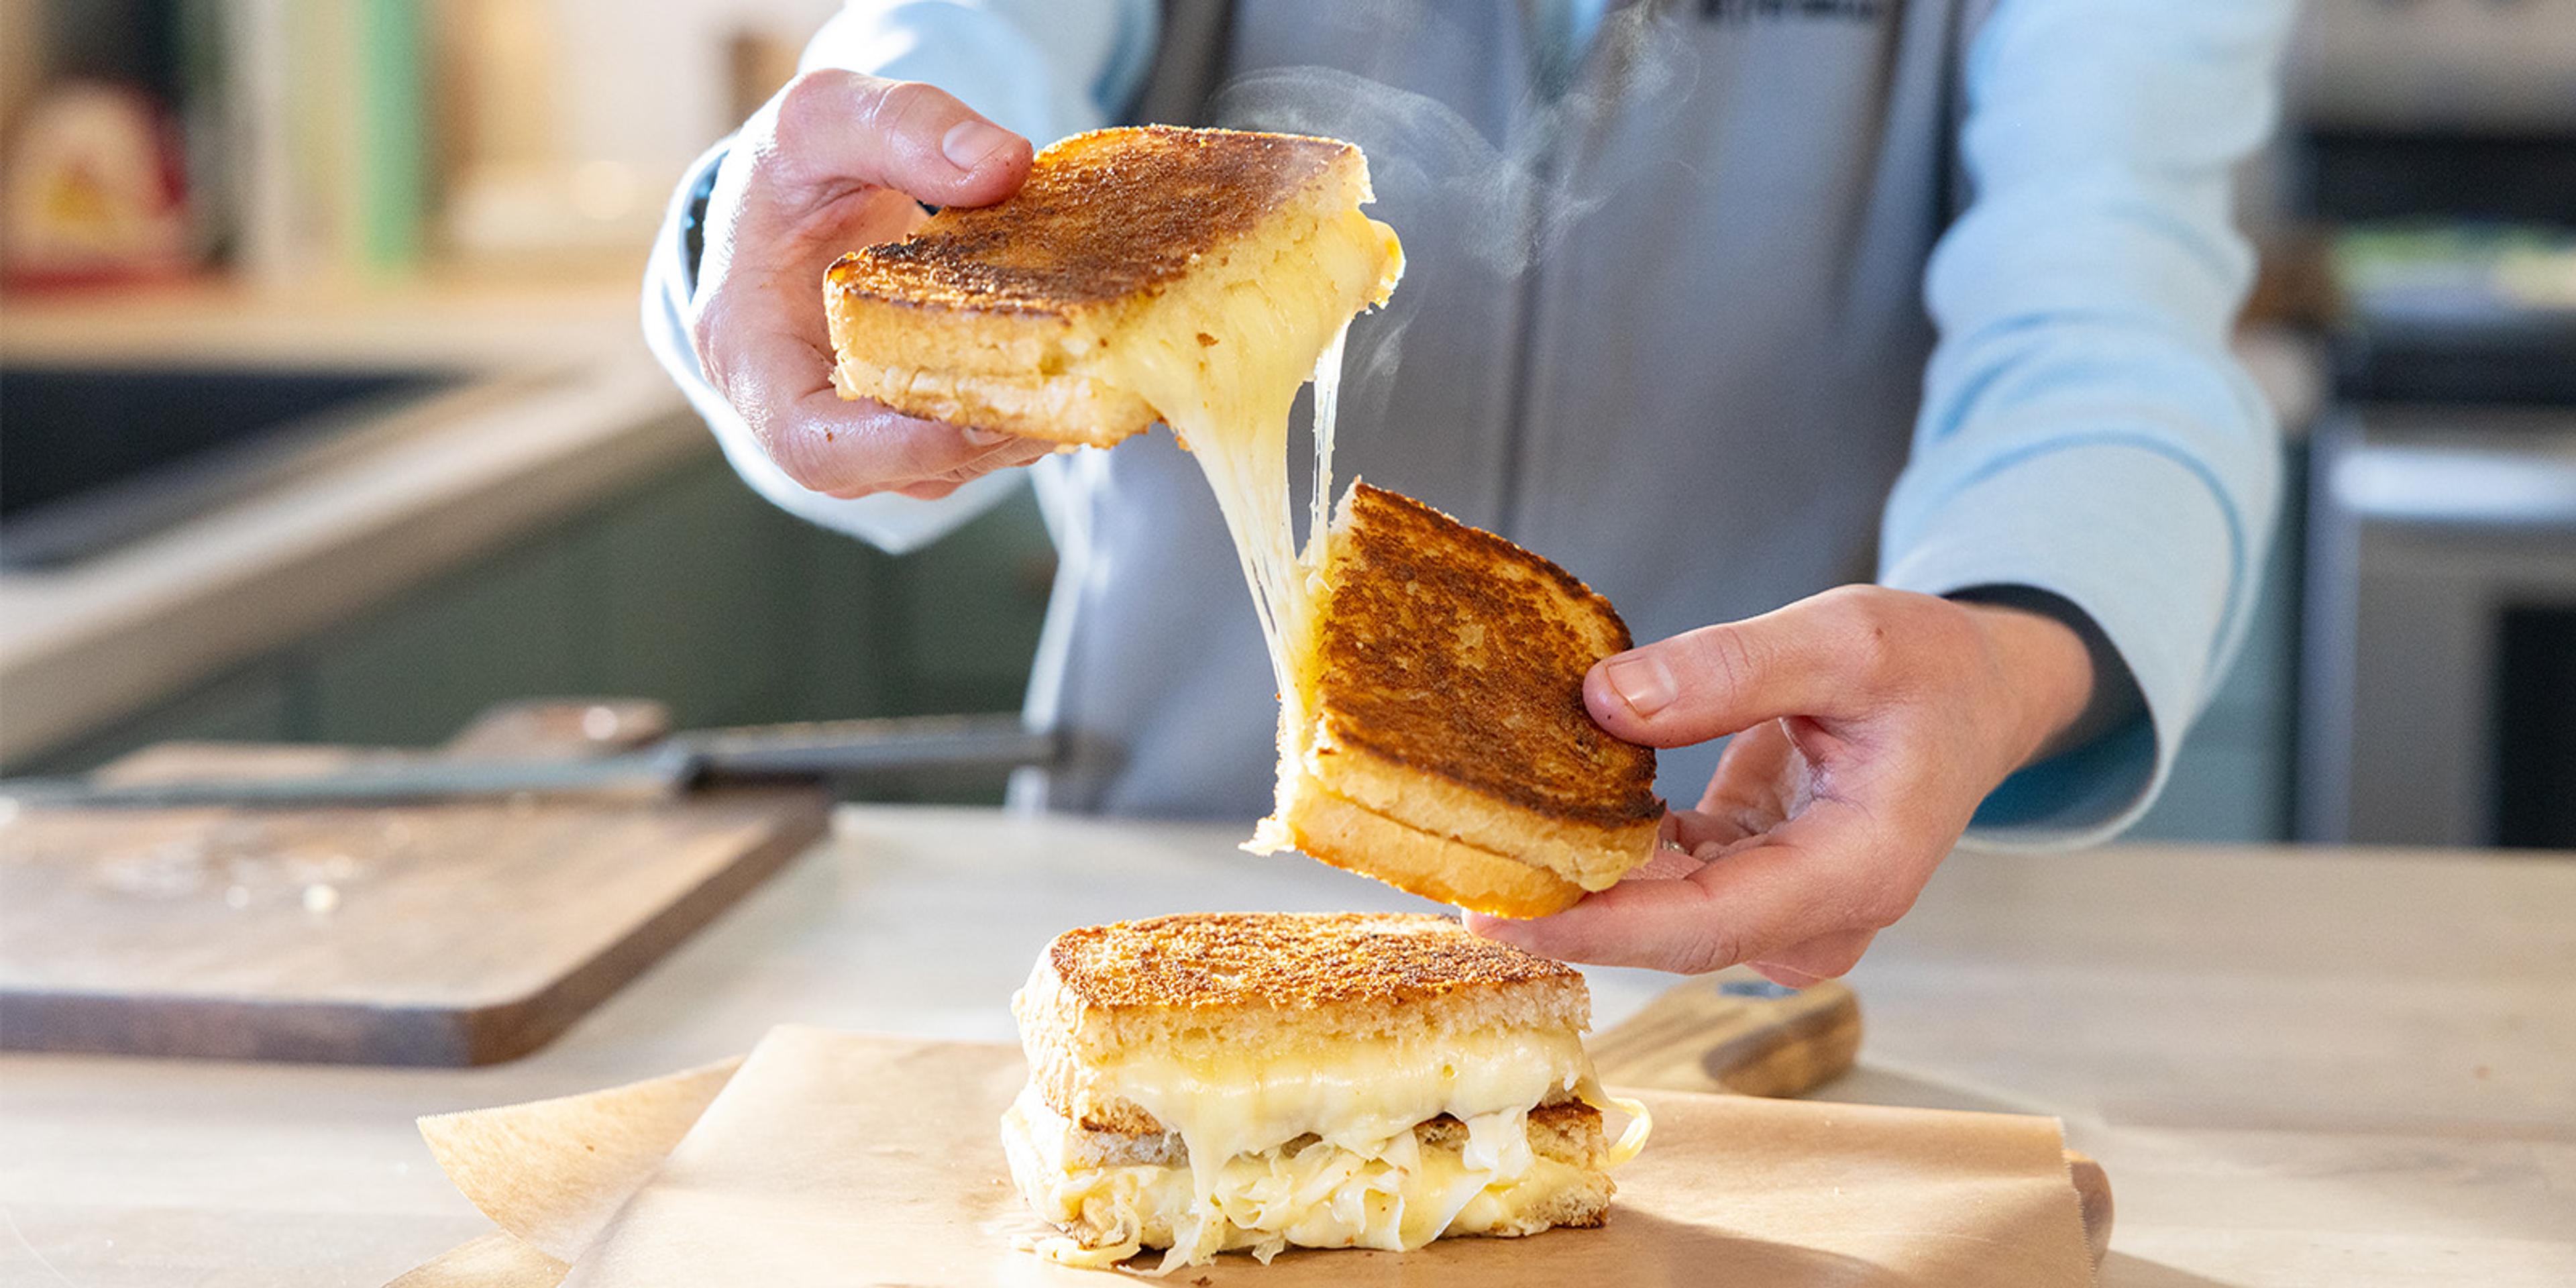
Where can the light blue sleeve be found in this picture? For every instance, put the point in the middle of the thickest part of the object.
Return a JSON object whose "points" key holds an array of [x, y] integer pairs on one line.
{"points": [[2085, 430], [1044, 68]]}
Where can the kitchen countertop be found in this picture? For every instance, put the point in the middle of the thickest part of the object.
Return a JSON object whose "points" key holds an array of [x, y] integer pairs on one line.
{"points": [[483, 319], [561, 406], [2342, 1067]]}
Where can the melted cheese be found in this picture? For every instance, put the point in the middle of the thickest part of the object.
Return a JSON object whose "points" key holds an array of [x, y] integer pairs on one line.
{"points": [[1230, 1102], [1221, 357], [1641, 1123], [1312, 1149], [1391, 1194]]}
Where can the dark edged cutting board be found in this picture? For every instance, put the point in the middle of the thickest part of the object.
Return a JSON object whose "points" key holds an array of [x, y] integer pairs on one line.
{"points": [[436, 934]]}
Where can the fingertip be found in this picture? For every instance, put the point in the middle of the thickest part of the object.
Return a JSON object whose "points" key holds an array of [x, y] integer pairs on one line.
{"points": [[858, 446], [1784, 976], [1522, 934], [1625, 694], [832, 127], [991, 162], [1598, 697], [1609, 710], [1569, 935]]}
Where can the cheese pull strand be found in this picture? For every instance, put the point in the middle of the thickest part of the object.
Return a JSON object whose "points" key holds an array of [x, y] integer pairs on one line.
{"points": [[1326, 412], [1641, 1124], [1221, 360], [1641, 1121]]}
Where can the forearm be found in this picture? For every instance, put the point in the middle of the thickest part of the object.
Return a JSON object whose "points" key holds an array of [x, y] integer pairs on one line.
{"points": [[2052, 672], [2085, 434], [2109, 697]]}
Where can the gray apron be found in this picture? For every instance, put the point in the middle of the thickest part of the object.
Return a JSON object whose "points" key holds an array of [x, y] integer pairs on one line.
{"points": [[1660, 322]]}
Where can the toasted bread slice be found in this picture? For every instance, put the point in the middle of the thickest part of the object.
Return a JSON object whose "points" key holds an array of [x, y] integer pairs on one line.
{"points": [[1440, 743], [1066, 312], [1260, 993]]}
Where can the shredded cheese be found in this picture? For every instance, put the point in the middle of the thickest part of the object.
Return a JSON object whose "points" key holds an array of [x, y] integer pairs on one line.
{"points": [[1387, 1193]]}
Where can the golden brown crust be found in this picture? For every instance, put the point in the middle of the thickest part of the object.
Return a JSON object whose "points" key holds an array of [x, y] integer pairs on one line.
{"points": [[1333, 829], [1455, 653], [1103, 216], [1286, 961], [1018, 317], [1294, 985]]}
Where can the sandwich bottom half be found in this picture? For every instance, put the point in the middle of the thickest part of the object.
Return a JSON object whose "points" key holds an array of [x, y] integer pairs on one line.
{"points": [[1500, 1174], [1326, 825]]}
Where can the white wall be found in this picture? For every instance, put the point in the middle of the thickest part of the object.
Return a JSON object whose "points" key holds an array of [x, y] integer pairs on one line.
{"points": [[645, 80], [572, 119], [2437, 62]]}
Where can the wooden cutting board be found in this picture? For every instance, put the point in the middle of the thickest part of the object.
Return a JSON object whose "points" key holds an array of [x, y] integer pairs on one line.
{"points": [[1735, 1031], [440, 934]]}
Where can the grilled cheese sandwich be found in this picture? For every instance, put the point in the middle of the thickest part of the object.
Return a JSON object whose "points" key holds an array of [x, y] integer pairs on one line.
{"points": [[1257, 1081], [1439, 741], [1197, 277]]}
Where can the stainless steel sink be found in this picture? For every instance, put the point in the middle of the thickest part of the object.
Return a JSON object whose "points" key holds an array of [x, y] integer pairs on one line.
{"points": [[94, 457]]}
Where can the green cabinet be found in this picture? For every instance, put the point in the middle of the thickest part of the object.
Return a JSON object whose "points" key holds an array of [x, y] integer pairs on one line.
{"points": [[690, 590]]}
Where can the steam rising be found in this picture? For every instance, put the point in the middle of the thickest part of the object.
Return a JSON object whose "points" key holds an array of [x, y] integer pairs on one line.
{"points": [[1499, 203]]}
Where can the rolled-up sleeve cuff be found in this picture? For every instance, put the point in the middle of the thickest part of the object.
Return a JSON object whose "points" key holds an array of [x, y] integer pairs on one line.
{"points": [[2140, 541]]}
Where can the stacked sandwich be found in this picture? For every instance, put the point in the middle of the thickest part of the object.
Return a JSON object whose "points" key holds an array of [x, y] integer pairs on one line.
{"points": [[1218, 1081]]}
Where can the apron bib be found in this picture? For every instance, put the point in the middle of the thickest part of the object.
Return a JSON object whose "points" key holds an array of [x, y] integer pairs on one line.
{"points": [[1660, 322]]}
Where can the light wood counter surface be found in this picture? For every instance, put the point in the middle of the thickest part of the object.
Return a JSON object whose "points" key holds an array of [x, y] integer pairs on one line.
{"points": [[2343, 1068]]}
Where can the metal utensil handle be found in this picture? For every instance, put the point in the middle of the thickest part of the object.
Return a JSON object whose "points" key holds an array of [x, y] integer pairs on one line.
{"points": [[822, 749], [830, 747]]}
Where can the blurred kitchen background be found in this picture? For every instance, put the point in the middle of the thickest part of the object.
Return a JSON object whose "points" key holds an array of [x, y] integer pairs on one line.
{"points": [[324, 417]]}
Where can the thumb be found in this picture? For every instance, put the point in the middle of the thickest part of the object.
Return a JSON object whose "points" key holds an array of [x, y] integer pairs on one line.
{"points": [[837, 129], [1724, 679]]}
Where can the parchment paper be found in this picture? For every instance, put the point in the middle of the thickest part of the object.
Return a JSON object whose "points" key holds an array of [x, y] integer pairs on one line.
{"points": [[552, 1172], [833, 1158]]}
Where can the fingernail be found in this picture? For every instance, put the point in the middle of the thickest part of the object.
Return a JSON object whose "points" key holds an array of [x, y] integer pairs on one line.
{"points": [[983, 437], [969, 144], [1643, 682]]}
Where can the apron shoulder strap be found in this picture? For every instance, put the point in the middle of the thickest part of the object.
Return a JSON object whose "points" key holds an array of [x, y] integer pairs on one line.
{"points": [[1969, 21], [1189, 62]]}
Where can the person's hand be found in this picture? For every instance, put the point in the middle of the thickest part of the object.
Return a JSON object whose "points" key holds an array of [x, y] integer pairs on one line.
{"points": [[837, 161], [1868, 725]]}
